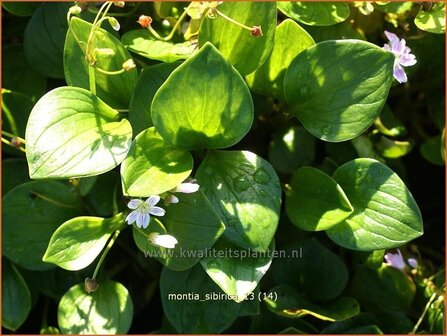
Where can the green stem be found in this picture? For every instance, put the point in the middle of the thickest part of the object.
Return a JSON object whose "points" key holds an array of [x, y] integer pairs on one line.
{"points": [[133, 10], [421, 318], [174, 29], [232, 20], [13, 136], [5, 141], [111, 73], [104, 254]]}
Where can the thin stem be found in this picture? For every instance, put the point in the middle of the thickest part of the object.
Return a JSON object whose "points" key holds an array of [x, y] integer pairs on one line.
{"points": [[13, 136], [45, 198], [104, 254], [5, 141], [133, 10], [91, 79], [232, 20], [174, 29], [421, 318], [117, 72]]}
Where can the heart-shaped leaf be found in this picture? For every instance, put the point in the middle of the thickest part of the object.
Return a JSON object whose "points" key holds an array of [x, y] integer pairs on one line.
{"points": [[245, 191], [213, 109], [108, 310], [115, 90], [290, 39], [315, 13], [31, 213], [385, 213], [244, 51], [329, 82], [315, 201], [238, 273], [73, 133], [153, 166], [77, 242]]}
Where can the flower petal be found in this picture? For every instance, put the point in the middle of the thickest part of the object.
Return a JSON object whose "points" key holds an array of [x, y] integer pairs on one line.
{"points": [[395, 260], [407, 60], [134, 203], [399, 73], [413, 262], [167, 241], [152, 200], [392, 38], [132, 217], [157, 211], [143, 220], [187, 188]]}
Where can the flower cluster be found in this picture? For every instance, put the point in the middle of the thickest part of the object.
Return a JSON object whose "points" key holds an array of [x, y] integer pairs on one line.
{"points": [[142, 211]]}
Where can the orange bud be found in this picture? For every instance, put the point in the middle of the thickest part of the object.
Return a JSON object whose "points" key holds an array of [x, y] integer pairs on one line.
{"points": [[256, 31], [145, 21]]}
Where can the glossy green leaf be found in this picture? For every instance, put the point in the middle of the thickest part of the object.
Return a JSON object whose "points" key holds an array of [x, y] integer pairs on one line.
{"points": [[393, 149], [321, 276], [287, 301], [153, 166], [72, 133], [383, 289], [395, 7], [144, 43], [181, 295], [31, 213], [195, 225], [17, 74], [432, 20], [238, 273], [105, 197], [20, 8], [431, 150], [371, 259], [385, 213], [215, 112], [44, 38], [16, 297], [77, 242], [115, 90], [357, 322], [315, 201], [149, 81], [315, 13], [108, 310], [14, 173], [339, 31], [316, 85], [290, 149], [244, 51], [245, 191], [290, 39]]}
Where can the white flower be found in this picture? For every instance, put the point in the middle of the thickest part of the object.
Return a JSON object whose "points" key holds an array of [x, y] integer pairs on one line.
{"points": [[402, 55], [114, 23], [142, 211], [187, 188], [171, 199], [166, 240]]}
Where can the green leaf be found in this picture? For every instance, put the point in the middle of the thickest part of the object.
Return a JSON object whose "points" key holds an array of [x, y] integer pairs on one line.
{"points": [[153, 166], [397, 7], [316, 85], [315, 201], [371, 259], [115, 90], [357, 322], [108, 310], [215, 112], [20, 8], [290, 39], [14, 173], [286, 301], [77, 242], [393, 149], [238, 273], [290, 149], [431, 150], [16, 297], [383, 289], [339, 31], [433, 20], [17, 74], [315, 13], [44, 39], [181, 293], [105, 198], [388, 124], [321, 276], [245, 191], [72, 133], [150, 80], [193, 222], [31, 213], [244, 51], [385, 213], [144, 43]]}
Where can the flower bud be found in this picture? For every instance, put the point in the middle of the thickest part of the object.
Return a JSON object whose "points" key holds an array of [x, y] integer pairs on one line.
{"points": [[15, 142], [171, 199], [75, 10], [114, 23], [119, 4], [160, 240], [256, 31], [129, 65], [145, 21], [106, 52], [187, 188], [90, 285]]}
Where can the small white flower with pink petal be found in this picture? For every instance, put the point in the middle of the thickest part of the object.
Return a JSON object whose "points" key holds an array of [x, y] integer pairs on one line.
{"points": [[142, 211], [402, 55]]}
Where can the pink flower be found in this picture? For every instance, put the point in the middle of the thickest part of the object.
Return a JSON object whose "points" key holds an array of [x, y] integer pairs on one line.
{"points": [[402, 55]]}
